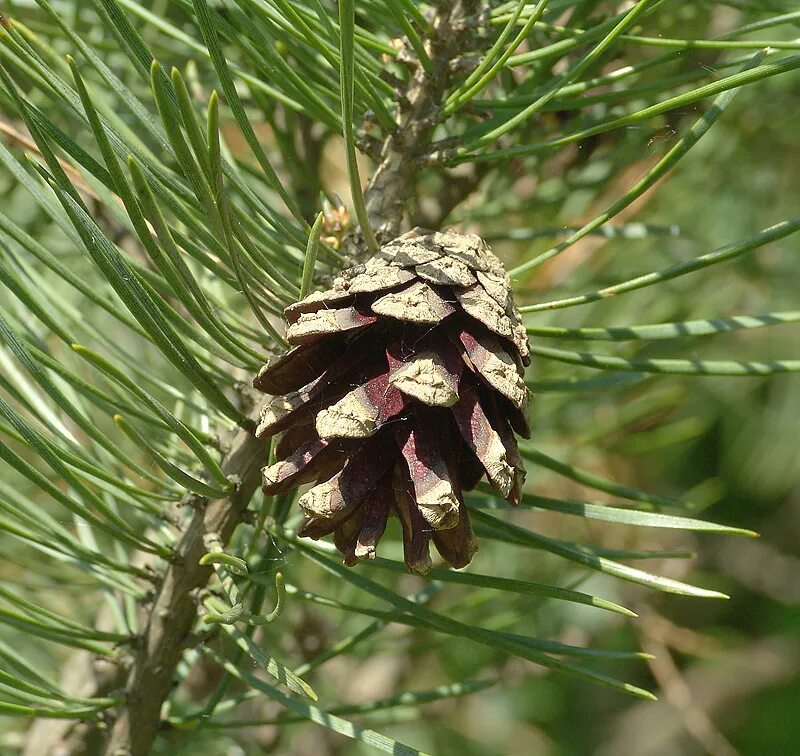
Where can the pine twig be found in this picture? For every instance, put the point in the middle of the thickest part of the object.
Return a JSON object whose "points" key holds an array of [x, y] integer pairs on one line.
{"points": [[171, 615], [174, 610], [393, 181]]}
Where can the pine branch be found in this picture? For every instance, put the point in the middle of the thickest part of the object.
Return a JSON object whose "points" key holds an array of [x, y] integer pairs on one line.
{"points": [[418, 114], [515, 122], [171, 615], [174, 610], [168, 622]]}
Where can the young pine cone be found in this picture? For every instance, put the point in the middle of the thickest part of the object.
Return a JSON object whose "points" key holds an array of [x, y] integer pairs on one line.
{"points": [[403, 388]]}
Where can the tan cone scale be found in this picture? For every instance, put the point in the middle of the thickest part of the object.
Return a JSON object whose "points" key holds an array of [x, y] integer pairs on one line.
{"points": [[404, 386]]}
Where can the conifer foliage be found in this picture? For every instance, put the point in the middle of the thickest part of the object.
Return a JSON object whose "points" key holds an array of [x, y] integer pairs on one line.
{"points": [[171, 176]]}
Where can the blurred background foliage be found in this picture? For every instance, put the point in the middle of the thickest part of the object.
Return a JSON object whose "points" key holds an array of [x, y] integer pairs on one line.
{"points": [[727, 673]]}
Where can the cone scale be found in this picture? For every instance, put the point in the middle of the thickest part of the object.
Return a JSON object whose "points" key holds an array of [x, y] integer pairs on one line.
{"points": [[403, 388]]}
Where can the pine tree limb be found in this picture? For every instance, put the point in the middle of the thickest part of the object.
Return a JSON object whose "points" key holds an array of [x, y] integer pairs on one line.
{"points": [[170, 617], [403, 151], [174, 610]]}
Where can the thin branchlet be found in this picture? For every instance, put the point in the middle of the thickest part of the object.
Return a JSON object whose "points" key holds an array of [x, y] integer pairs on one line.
{"points": [[403, 151]]}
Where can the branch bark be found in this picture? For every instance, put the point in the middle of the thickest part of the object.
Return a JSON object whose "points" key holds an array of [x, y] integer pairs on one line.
{"points": [[174, 611], [392, 184]]}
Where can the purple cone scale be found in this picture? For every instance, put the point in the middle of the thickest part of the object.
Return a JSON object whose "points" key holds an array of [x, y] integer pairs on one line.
{"points": [[403, 389]]}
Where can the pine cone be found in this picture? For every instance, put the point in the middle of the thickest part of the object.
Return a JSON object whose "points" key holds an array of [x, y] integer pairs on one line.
{"points": [[403, 388]]}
